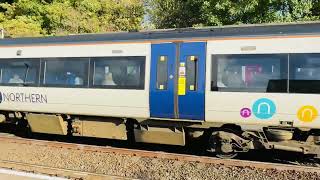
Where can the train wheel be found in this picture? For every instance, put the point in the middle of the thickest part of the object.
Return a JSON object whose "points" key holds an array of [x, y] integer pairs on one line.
{"points": [[222, 145]]}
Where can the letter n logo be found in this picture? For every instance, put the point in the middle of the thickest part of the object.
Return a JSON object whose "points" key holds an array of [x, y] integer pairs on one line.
{"points": [[264, 108]]}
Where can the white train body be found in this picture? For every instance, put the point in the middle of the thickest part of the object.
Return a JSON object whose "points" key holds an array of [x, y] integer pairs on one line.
{"points": [[81, 101], [225, 106]]}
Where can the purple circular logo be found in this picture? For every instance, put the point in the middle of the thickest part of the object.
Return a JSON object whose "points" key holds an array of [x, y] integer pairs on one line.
{"points": [[245, 112]]}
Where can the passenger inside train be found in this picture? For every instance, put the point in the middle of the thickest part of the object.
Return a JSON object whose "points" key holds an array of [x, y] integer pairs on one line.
{"points": [[63, 72], [15, 79], [108, 79], [116, 73]]}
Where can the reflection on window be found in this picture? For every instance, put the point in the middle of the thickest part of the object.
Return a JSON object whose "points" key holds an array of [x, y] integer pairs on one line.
{"points": [[192, 73], [304, 73], [65, 71], [22, 71], [162, 73], [119, 72], [250, 73]]}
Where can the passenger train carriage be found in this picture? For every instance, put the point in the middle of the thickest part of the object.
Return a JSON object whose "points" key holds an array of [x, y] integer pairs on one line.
{"points": [[236, 88]]}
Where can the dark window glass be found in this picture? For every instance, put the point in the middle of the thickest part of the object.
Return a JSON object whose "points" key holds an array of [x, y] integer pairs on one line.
{"points": [[66, 72], [304, 73], [19, 71], [192, 73], [162, 73], [119, 72], [250, 73]]}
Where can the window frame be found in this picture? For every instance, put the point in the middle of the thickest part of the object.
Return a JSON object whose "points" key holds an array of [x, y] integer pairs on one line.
{"points": [[304, 81], [195, 72], [167, 71], [284, 61], [129, 58], [8, 61], [43, 72]]}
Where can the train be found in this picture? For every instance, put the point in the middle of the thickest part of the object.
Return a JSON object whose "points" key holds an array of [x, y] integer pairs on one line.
{"points": [[234, 88]]}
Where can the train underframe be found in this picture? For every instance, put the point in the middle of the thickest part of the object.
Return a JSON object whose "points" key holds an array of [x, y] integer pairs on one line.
{"points": [[223, 140]]}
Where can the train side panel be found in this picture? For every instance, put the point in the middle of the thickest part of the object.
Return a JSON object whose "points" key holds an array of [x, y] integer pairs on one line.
{"points": [[260, 108], [94, 102], [76, 50], [79, 101]]}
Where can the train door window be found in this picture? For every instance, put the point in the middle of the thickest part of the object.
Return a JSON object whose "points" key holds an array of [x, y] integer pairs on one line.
{"points": [[65, 72], [19, 72], [304, 73], [162, 73], [192, 72], [119, 72], [250, 73]]}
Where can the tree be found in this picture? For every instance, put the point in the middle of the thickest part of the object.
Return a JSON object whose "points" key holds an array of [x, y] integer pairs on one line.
{"points": [[187, 13], [174, 13], [57, 17], [21, 26]]}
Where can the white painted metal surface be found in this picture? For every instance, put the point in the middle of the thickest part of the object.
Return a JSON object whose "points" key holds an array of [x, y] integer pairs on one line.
{"points": [[99, 102], [225, 106]]}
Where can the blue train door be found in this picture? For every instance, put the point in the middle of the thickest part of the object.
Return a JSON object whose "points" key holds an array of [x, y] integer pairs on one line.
{"points": [[177, 83], [163, 57]]}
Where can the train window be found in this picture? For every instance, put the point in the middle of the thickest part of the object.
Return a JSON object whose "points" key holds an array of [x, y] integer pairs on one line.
{"points": [[250, 73], [17, 72], [162, 73], [65, 72], [304, 73], [119, 72], [192, 73]]}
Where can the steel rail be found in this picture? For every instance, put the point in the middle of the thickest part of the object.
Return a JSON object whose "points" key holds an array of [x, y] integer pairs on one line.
{"points": [[56, 172]]}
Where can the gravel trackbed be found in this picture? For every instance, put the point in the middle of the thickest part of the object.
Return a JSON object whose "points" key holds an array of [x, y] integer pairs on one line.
{"points": [[136, 167]]}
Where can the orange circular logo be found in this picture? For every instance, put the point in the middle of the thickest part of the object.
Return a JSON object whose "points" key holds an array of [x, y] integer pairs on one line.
{"points": [[307, 113]]}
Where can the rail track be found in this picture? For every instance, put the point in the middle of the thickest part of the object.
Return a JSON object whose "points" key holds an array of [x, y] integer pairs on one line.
{"points": [[56, 172], [150, 154], [280, 157]]}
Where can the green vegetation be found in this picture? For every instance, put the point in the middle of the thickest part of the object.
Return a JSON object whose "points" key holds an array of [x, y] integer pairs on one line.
{"points": [[188, 13], [60, 17]]}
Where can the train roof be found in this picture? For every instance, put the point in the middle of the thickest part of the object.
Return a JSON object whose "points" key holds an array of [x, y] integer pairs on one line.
{"points": [[310, 28]]}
